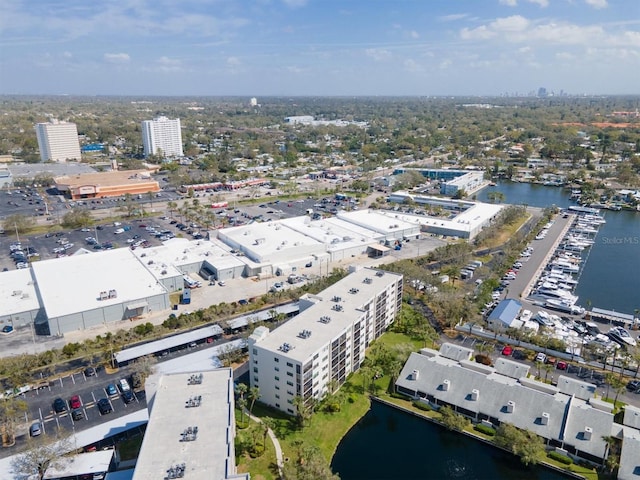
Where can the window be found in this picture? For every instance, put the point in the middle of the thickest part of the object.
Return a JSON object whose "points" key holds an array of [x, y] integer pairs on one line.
{"points": [[255, 379], [290, 383], [277, 405], [277, 378], [255, 369], [255, 351], [289, 410], [290, 374], [277, 387], [277, 369], [277, 395], [290, 392], [289, 364], [276, 359], [290, 402]]}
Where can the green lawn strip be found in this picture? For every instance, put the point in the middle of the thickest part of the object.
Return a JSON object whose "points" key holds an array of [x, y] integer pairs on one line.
{"points": [[130, 448], [263, 467]]}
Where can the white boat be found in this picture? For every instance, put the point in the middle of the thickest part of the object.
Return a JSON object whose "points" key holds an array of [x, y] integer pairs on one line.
{"points": [[564, 307], [622, 336]]}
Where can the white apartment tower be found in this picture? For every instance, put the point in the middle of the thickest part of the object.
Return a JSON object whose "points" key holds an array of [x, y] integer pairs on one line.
{"points": [[58, 141], [162, 136], [326, 341]]}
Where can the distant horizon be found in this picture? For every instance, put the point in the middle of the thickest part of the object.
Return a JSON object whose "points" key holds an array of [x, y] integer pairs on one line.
{"points": [[258, 96], [307, 48]]}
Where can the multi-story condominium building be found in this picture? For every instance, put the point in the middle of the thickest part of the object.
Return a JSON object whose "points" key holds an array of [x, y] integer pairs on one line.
{"points": [[58, 141], [321, 346], [163, 137]]}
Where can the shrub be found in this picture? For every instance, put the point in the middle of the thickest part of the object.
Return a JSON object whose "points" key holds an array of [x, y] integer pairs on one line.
{"points": [[483, 359], [399, 396], [421, 406], [486, 429], [560, 458]]}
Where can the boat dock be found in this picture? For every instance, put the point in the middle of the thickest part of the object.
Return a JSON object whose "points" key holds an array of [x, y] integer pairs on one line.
{"points": [[612, 317]]}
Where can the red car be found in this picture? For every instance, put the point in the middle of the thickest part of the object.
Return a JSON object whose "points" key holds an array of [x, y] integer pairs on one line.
{"points": [[74, 402], [561, 365], [507, 350]]}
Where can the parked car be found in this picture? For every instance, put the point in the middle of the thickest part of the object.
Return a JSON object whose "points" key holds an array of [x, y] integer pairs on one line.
{"points": [[128, 396], [104, 406], [77, 414], [35, 429], [59, 405], [634, 386], [507, 350], [111, 389], [561, 365], [541, 357], [124, 385], [7, 329], [89, 372], [74, 402]]}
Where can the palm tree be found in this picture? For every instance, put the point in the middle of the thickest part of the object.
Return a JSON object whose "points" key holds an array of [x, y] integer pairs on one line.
{"points": [[268, 423], [241, 389], [252, 396]]}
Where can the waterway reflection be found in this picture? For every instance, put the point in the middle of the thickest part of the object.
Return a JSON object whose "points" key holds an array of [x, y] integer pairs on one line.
{"points": [[387, 444]]}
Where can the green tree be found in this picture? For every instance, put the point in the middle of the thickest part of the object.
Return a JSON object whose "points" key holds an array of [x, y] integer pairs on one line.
{"points": [[452, 420], [310, 465], [252, 395], [43, 452], [523, 443], [18, 223], [11, 410], [77, 218]]}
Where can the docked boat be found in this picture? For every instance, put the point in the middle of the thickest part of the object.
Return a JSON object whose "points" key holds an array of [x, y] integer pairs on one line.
{"points": [[622, 336], [564, 307]]}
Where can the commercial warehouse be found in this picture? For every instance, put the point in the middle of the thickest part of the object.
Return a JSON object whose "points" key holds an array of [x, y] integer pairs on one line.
{"points": [[100, 288]]}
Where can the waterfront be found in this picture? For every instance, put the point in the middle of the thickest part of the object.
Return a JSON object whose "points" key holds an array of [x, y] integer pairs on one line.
{"points": [[611, 275], [389, 444]]}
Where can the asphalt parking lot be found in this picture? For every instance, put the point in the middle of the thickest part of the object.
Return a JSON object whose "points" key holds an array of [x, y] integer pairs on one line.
{"points": [[90, 389]]}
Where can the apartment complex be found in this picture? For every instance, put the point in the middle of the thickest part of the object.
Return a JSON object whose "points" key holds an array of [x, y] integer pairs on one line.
{"points": [[569, 414], [162, 136], [58, 141], [191, 428], [326, 342]]}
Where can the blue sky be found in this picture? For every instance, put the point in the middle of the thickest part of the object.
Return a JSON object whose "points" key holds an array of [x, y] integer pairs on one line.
{"points": [[319, 47]]}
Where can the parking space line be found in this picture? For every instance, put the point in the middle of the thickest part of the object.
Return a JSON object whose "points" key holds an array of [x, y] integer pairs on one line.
{"points": [[73, 379], [61, 384]]}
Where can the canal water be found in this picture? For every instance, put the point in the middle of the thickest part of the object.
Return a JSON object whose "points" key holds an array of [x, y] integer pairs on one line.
{"points": [[389, 444], [610, 278]]}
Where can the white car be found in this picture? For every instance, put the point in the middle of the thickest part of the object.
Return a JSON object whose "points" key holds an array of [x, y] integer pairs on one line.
{"points": [[118, 231], [541, 357]]}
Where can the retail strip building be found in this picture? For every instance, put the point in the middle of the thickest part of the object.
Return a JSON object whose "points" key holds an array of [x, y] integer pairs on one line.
{"points": [[325, 342]]}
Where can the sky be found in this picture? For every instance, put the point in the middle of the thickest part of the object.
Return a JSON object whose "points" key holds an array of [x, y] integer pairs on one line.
{"points": [[319, 47]]}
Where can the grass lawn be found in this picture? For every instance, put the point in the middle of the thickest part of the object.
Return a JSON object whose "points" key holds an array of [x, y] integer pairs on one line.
{"points": [[263, 467], [130, 448]]}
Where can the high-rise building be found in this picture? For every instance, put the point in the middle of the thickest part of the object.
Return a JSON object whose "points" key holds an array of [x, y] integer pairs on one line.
{"points": [[318, 349], [58, 141], [162, 136]]}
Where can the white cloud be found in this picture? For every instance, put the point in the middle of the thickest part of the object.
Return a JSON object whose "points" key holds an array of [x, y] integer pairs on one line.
{"points": [[117, 57], [445, 64], [378, 54], [509, 3], [542, 3], [166, 64], [412, 66], [565, 56], [413, 34], [453, 17], [525, 50], [233, 61], [597, 4], [515, 23], [479, 33]]}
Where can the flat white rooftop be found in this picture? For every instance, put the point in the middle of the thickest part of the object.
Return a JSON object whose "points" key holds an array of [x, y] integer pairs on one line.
{"points": [[322, 333], [207, 454], [336, 234], [271, 241], [73, 284], [380, 222], [85, 463], [18, 292]]}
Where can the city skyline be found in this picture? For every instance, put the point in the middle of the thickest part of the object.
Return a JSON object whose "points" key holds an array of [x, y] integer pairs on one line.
{"points": [[313, 47]]}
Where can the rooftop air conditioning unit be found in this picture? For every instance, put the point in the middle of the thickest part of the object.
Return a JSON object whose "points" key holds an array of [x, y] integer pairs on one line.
{"points": [[544, 419], [588, 431], [414, 375], [446, 384], [475, 393], [510, 406]]}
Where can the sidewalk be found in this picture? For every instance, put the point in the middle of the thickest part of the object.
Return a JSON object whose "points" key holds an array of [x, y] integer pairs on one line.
{"points": [[276, 445]]}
